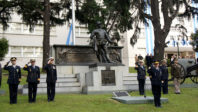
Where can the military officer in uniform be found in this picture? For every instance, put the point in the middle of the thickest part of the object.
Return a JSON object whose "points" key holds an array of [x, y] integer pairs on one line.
{"points": [[141, 70], [155, 75], [14, 79], [51, 79], [33, 79], [0, 74], [165, 76], [175, 72]]}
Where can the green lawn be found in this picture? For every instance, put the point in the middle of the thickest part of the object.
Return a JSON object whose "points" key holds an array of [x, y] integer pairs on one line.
{"points": [[185, 102]]}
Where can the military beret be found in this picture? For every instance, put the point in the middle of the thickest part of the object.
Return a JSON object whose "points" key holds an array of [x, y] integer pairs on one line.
{"points": [[13, 59]]}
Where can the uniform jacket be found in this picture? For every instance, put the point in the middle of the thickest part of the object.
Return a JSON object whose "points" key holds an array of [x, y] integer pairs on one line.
{"points": [[175, 70], [156, 76], [148, 60], [33, 74], [0, 75], [141, 72], [165, 74], [14, 74], [51, 73]]}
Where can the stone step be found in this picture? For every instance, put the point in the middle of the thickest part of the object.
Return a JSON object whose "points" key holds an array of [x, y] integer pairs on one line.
{"points": [[73, 84], [135, 87], [131, 75], [130, 78], [134, 82], [61, 76], [62, 80], [58, 90]]}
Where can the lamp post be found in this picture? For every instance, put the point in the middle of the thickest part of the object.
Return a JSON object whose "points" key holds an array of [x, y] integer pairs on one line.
{"points": [[178, 49]]}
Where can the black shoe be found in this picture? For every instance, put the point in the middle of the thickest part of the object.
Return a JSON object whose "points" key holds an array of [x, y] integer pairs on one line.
{"points": [[158, 106], [33, 101]]}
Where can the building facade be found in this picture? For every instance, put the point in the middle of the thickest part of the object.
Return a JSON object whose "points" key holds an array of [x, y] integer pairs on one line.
{"points": [[25, 44]]}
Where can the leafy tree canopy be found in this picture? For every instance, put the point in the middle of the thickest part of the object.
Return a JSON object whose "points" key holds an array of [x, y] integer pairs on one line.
{"points": [[114, 15], [3, 48]]}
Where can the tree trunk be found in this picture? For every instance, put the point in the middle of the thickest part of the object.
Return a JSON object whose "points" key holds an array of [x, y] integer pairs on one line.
{"points": [[159, 45], [46, 32], [159, 34]]}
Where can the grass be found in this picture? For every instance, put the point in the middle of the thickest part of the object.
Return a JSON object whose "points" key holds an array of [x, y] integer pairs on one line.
{"points": [[23, 72], [132, 70], [185, 102]]}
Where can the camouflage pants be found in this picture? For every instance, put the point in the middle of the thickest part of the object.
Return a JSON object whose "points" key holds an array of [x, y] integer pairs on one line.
{"points": [[177, 85]]}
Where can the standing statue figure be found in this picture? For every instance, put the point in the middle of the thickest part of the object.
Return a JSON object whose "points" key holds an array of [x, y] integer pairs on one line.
{"points": [[100, 40]]}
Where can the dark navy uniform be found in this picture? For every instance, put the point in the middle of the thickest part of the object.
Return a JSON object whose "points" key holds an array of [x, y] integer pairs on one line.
{"points": [[156, 78], [13, 81], [0, 75], [164, 78], [148, 61], [33, 79], [51, 81], [141, 76]]}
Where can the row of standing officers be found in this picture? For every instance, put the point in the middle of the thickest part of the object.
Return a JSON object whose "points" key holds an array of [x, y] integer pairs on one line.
{"points": [[159, 78], [33, 79]]}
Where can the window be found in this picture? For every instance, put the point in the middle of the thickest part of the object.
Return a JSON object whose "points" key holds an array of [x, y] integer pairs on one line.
{"points": [[21, 28], [38, 52], [15, 52], [82, 31], [23, 51], [28, 52]]}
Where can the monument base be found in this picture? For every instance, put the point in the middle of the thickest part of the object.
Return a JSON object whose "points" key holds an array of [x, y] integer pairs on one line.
{"points": [[104, 78], [137, 100]]}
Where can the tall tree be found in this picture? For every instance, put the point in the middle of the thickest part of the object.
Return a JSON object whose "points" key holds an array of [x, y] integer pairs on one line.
{"points": [[170, 9], [6, 9], [194, 41], [114, 15], [3, 48], [48, 13]]}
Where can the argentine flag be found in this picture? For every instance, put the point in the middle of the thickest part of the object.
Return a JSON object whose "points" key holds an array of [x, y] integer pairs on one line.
{"points": [[69, 37]]}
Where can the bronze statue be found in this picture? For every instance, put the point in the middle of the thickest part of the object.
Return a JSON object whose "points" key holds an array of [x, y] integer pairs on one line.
{"points": [[100, 40]]}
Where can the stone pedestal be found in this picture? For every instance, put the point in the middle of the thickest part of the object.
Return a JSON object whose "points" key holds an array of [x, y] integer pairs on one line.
{"points": [[2, 92], [104, 78], [138, 99]]}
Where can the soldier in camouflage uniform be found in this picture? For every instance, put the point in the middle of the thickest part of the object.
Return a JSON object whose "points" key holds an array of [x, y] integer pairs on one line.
{"points": [[176, 74]]}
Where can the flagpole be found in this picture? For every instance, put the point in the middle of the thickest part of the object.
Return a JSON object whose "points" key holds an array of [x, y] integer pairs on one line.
{"points": [[73, 23]]}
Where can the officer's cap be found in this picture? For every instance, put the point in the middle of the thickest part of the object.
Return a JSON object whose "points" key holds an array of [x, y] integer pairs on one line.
{"points": [[175, 59], [13, 59], [141, 61], [51, 58], [164, 60], [32, 60], [156, 62]]}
